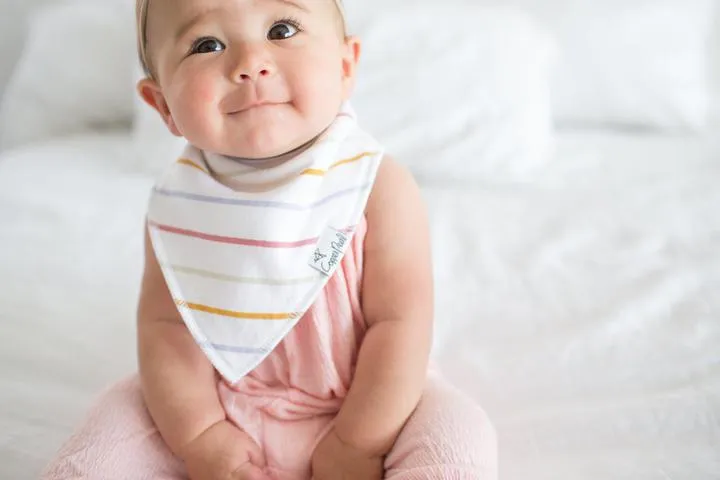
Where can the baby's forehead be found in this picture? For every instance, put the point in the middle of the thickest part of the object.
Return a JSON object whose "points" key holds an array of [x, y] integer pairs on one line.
{"points": [[169, 17], [184, 8]]}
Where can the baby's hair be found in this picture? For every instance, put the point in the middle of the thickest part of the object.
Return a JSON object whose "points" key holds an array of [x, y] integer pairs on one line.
{"points": [[141, 10]]}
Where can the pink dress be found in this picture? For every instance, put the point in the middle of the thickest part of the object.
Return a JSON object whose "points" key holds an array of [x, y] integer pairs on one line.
{"points": [[288, 404]]}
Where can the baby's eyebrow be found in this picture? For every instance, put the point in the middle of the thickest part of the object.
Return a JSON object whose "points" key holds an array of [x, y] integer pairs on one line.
{"points": [[295, 4], [183, 29]]}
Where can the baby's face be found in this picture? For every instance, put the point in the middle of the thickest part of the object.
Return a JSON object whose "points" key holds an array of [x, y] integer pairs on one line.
{"points": [[248, 78]]}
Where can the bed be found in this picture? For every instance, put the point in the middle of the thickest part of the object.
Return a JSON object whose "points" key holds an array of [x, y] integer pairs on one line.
{"points": [[613, 254], [577, 291]]}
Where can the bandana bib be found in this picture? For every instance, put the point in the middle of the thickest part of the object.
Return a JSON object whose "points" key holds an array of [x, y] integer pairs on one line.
{"points": [[246, 246]]}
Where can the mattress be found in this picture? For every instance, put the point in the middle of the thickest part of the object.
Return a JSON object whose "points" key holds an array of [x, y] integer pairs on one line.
{"points": [[580, 309]]}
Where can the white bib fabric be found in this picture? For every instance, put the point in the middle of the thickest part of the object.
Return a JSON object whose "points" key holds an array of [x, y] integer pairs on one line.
{"points": [[247, 246]]}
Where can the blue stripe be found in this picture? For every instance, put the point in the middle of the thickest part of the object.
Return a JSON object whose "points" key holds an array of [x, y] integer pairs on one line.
{"points": [[258, 203], [231, 349]]}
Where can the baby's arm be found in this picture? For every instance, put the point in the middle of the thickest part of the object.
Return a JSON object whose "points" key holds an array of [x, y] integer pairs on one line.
{"points": [[397, 300], [180, 386]]}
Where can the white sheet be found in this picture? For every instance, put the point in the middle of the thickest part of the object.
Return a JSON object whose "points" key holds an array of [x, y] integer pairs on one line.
{"points": [[68, 289], [581, 310]]}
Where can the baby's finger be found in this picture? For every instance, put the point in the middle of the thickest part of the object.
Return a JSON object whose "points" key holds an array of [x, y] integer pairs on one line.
{"points": [[250, 472], [256, 455]]}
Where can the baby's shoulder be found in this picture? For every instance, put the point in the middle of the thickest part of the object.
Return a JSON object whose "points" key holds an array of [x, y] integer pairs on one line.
{"points": [[395, 189]]}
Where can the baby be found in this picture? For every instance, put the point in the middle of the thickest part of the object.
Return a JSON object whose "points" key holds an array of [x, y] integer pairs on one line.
{"points": [[285, 318]]}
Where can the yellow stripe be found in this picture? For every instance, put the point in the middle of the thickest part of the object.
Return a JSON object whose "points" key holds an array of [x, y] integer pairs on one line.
{"points": [[353, 159], [320, 173], [310, 171], [232, 314], [190, 163]]}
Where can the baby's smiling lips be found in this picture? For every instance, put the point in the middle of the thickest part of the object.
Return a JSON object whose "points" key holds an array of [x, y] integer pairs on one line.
{"points": [[253, 106]]}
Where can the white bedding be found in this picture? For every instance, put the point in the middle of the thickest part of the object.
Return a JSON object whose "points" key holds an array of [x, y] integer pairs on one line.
{"points": [[581, 310]]}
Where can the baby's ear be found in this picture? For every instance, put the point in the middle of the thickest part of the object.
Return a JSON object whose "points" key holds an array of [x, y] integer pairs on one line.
{"points": [[351, 57], [151, 93]]}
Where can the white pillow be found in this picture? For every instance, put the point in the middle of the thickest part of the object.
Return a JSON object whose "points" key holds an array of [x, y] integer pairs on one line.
{"points": [[630, 62], [436, 90], [74, 74], [456, 93]]}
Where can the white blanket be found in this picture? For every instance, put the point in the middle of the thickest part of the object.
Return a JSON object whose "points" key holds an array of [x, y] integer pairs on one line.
{"points": [[581, 310]]}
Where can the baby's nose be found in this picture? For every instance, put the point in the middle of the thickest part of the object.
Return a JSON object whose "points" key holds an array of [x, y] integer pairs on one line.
{"points": [[252, 64], [250, 76]]}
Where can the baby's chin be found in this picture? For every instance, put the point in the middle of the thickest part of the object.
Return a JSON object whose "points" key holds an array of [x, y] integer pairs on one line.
{"points": [[251, 145], [259, 150], [261, 135]]}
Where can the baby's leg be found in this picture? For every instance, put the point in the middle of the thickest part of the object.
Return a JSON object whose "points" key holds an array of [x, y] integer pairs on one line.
{"points": [[117, 441], [447, 438]]}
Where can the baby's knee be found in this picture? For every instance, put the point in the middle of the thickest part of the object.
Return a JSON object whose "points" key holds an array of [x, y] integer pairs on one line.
{"points": [[116, 434], [121, 402], [457, 434], [449, 431]]}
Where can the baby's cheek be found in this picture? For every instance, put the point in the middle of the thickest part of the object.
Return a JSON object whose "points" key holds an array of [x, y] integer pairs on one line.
{"points": [[318, 80], [197, 93], [205, 94], [194, 105]]}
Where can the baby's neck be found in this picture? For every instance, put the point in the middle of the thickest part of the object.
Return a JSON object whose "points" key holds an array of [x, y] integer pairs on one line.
{"points": [[270, 162], [259, 174]]}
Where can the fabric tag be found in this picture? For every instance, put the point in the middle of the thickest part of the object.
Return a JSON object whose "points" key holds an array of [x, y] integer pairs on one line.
{"points": [[329, 251]]}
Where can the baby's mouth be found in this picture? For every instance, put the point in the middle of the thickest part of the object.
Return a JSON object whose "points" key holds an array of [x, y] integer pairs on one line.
{"points": [[253, 106]]}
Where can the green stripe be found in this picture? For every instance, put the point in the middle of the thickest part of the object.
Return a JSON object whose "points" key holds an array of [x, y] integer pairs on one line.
{"points": [[245, 280]]}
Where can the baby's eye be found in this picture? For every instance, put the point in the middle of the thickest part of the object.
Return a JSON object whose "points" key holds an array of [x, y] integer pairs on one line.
{"points": [[283, 30], [207, 45]]}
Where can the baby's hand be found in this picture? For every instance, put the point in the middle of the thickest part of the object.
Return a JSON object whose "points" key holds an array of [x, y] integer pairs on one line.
{"points": [[333, 459], [224, 452]]}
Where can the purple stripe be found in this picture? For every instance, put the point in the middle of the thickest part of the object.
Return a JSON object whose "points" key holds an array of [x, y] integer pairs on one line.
{"points": [[232, 349], [258, 203]]}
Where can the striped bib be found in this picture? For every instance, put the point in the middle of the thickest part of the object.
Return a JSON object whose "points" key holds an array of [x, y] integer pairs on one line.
{"points": [[246, 246]]}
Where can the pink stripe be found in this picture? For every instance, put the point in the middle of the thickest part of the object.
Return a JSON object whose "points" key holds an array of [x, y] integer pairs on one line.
{"points": [[232, 240], [237, 241]]}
